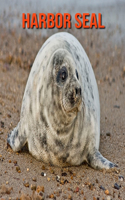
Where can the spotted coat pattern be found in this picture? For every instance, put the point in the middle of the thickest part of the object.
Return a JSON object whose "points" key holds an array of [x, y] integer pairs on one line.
{"points": [[58, 132]]}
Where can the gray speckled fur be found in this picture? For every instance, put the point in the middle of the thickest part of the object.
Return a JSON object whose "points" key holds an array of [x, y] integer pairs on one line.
{"points": [[54, 133]]}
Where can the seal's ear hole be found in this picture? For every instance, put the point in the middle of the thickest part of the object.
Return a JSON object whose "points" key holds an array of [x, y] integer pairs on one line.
{"points": [[77, 74], [62, 75]]}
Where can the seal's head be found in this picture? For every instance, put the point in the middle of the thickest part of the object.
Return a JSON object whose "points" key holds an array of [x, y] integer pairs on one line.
{"points": [[66, 82]]}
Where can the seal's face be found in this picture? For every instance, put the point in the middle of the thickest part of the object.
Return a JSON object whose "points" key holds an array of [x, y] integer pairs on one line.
{"points": [[66, 82]]}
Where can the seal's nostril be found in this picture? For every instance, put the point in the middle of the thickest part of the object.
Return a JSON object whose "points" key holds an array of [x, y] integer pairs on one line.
{"points": [[78, 91]]}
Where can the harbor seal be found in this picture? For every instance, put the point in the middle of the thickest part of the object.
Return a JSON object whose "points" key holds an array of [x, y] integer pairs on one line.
{"points": [[60, 114]]}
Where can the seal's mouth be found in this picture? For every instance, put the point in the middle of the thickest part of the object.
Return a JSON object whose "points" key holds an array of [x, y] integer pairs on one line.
{"points": [[72, 102], [76, 108]]}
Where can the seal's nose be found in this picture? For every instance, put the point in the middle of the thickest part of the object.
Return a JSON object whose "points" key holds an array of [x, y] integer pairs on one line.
{"points": [[78, 91]]}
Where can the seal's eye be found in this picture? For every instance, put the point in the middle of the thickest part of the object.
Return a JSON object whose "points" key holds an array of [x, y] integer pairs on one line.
{"points": [[77, 75], [62, 75]]}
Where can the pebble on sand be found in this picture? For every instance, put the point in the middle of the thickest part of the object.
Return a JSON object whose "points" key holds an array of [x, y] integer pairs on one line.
{"points": [[107, 192], [58, 178], [121, 178], [116, 186], [34, 179], [26, 183], [33, 187], [40, 189], [43, 174]]}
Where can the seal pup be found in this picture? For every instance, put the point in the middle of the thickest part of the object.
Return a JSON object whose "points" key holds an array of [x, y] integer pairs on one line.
{"points": [[60, 114]]}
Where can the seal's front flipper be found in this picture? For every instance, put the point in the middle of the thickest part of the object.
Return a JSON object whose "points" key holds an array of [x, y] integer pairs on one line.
{"points": [[97, 161], [16, 140]]}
